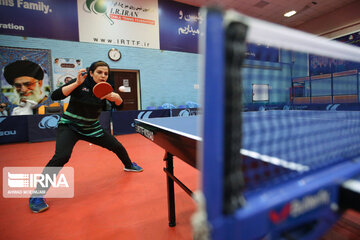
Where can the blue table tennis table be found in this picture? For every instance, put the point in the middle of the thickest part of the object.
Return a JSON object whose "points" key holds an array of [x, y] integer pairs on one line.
{"points": [[179, 137], [293, 190]]}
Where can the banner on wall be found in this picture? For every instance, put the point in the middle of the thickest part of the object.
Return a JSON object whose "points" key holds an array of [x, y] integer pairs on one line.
{"points": [[353, 39], [65, 69], [31, 63], [42, 19], [262, 53], [119, 22], [180, 31], [324, 65], [179, 26]]}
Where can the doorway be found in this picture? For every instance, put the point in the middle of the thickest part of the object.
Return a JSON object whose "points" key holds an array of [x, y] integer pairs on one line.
{"points": [[130, 79]]}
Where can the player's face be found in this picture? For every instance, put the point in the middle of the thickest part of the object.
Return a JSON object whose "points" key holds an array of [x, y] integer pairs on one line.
{"points": [[100, 74]]}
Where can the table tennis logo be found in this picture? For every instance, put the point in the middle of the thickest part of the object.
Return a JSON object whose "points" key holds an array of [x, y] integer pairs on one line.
{"points": [[142, 115], [2, 119], [187, 112], [309, 202], [97, 7], [277, 217], [299, 207], [145, 132], [262, 108], [118, 10], [22, 182], [286, 107], [8, 132], [50, 122], [332, 107]]}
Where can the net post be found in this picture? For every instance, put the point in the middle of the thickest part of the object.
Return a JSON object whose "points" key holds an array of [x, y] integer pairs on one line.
{"points": [[212, 100], [235, 48], [223, 51]]}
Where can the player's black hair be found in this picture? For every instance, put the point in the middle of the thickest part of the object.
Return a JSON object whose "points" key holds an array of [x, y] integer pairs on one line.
{"points": [[96, 64]]}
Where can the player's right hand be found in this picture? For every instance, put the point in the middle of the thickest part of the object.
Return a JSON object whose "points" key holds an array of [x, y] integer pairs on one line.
{"points": [[81, 76]]}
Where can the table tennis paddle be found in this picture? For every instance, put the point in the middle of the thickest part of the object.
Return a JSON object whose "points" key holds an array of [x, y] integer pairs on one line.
{"points": [[101, 89]]}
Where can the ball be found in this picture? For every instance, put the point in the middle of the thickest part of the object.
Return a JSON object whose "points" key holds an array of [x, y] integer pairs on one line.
{"points": [[122, 89]]}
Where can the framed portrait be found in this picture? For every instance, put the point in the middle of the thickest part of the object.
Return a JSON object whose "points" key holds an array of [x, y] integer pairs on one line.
{"points": [[25, 73]]}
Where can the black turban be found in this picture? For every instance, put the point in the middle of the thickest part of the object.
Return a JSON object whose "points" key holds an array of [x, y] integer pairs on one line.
{"points": [[23, 68]]}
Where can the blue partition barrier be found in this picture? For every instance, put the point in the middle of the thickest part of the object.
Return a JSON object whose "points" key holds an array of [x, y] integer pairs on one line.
{"points": [[105, 118], [185, 112], [13, 129], [43, 127], [327, 107], [312, 106], [39, 128], [123, 121]]}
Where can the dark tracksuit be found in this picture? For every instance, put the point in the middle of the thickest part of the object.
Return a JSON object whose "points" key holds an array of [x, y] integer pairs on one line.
{"points": [[80, 122]]}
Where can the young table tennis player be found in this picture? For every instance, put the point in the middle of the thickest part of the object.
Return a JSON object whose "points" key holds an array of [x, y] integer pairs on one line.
{"points": [[80, 122]]}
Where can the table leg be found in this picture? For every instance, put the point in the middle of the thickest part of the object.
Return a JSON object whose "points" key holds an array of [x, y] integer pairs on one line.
{"points": [[170, 189]]}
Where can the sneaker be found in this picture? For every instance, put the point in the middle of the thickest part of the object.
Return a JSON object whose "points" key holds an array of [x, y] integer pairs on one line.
{"points": [[38, 204], [134, 168]]}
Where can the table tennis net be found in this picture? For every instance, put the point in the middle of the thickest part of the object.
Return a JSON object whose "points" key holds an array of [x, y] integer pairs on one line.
{"points": [[291, 87]]}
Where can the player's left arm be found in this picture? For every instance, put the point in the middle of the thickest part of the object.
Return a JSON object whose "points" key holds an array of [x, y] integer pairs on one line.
{"points": [[65, 90], [113, 97]]}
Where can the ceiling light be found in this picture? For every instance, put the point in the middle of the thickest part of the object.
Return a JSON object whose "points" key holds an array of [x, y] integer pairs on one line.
{"points": [[289, 14]]}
